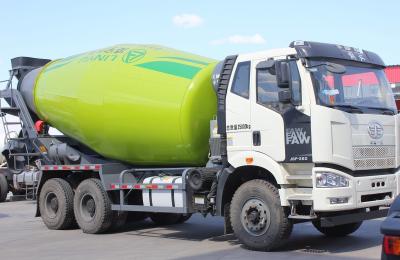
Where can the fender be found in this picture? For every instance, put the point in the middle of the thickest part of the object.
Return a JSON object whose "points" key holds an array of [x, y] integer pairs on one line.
{"points": [[238, 159]]}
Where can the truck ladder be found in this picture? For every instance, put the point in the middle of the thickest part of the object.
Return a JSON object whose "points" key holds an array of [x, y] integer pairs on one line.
{"points": [[15, 106]]}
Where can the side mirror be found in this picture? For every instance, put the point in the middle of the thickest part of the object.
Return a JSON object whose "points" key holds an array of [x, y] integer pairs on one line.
{"points": [[282, 73], [284, 96]]}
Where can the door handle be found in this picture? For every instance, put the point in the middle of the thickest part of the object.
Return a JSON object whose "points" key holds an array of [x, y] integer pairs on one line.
{"points": [[256, 138]]}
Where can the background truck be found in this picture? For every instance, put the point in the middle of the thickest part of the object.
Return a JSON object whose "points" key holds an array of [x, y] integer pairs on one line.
{"points": [[266, 140], [393, 76]]}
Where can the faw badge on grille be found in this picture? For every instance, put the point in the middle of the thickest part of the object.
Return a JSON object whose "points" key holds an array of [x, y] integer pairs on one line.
{"points": [[375, 130]]}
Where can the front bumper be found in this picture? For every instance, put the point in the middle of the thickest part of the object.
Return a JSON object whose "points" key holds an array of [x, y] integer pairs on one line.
{"points": [[363, 192], [332, 221]]}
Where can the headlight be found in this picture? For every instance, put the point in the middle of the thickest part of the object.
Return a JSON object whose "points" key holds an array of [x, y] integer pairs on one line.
{"points": [[330, 180]]}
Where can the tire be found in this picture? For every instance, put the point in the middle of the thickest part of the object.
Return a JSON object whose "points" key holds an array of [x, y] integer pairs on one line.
{"points": [[337, 231], [92, 207], [258, 219], [56, 204], [3, 188], [165, 218]]}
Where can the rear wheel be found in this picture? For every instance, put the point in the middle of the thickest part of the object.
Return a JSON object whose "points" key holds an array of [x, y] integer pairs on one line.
{"points": [[93, 207], [337, 231], [3, 188], [258, 219], [56, 204]]}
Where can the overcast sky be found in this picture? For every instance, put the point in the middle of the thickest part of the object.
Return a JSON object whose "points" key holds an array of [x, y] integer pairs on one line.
{"points": [[54, 29]]}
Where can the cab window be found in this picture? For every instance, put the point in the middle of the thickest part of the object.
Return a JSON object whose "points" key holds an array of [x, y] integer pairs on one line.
{"points": [[241, 81], [267, 87], [268, 90]]}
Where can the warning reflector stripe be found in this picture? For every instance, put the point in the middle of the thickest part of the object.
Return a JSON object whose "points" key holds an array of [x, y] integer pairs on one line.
{"points": [[125, 186], [87, 167], [153, 186], [114, 186]]}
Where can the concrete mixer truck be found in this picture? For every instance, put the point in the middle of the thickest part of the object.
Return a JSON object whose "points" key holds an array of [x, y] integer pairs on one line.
{"points": [[266, 140]]}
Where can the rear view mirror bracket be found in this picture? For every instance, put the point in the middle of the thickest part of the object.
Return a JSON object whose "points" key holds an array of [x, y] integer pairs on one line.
{"points": [[282, 73]]}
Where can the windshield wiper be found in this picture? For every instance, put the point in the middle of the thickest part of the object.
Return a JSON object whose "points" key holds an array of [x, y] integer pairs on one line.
{"points": [[350, 107], [385, 111]]}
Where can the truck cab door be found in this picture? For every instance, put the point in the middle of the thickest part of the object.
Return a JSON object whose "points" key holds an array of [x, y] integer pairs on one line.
{"points": [[279, 130], [238, 109]]}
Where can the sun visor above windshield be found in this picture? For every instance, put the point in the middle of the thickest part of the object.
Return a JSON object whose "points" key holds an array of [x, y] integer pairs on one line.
{"points": [[307, 49]]}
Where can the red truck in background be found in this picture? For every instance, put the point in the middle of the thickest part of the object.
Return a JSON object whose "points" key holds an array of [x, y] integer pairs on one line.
{"points": [[393, 75]]}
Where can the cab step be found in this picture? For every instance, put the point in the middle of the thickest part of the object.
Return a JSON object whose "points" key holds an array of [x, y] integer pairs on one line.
{"points": [[300, 197], [303, 217]]}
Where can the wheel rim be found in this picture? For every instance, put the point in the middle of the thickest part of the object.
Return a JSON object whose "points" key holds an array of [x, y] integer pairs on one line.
{"points": [[88, 207], [51, 204], [255, 217]]}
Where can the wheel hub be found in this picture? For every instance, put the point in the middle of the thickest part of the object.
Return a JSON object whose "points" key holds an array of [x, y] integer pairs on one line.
{"points": [[51, 205], [255, 217], [88, 207], [54, 204]]}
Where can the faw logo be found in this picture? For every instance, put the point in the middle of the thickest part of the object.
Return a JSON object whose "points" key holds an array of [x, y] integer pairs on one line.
{"points": [[375, 130], [297, 136]]}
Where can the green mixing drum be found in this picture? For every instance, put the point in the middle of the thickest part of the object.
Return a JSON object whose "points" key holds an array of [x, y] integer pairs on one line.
{"points": [[141, 104]]}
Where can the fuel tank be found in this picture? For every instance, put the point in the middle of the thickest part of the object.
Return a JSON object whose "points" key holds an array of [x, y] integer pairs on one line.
{"points": [[140, 104]]}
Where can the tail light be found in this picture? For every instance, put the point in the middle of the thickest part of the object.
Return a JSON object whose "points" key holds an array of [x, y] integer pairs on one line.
{"points": [[391, 245]]}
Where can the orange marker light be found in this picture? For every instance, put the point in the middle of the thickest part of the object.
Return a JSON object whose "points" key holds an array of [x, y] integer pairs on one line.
{"points": [[249, 160]]}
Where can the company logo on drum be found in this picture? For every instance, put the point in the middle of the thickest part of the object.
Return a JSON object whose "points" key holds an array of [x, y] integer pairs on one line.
{"points": [[133, 55]]}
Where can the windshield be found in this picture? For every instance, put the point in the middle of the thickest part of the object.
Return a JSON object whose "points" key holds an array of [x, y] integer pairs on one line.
{"points": [[360, 86]]}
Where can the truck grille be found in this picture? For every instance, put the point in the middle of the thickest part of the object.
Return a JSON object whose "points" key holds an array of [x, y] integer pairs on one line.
{"points": [[374, 157]]}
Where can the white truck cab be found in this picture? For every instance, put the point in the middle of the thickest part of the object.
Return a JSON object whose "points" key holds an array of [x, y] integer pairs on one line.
{"points": [[320, 120]]}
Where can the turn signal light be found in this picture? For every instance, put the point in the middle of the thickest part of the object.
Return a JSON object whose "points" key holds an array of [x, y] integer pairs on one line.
{"points": [[391, 245], [249, 160]]}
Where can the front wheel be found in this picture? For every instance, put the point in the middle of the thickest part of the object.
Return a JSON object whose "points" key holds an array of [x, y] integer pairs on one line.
{"points": [[338, 231], [258, 219], [92, 207]]}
